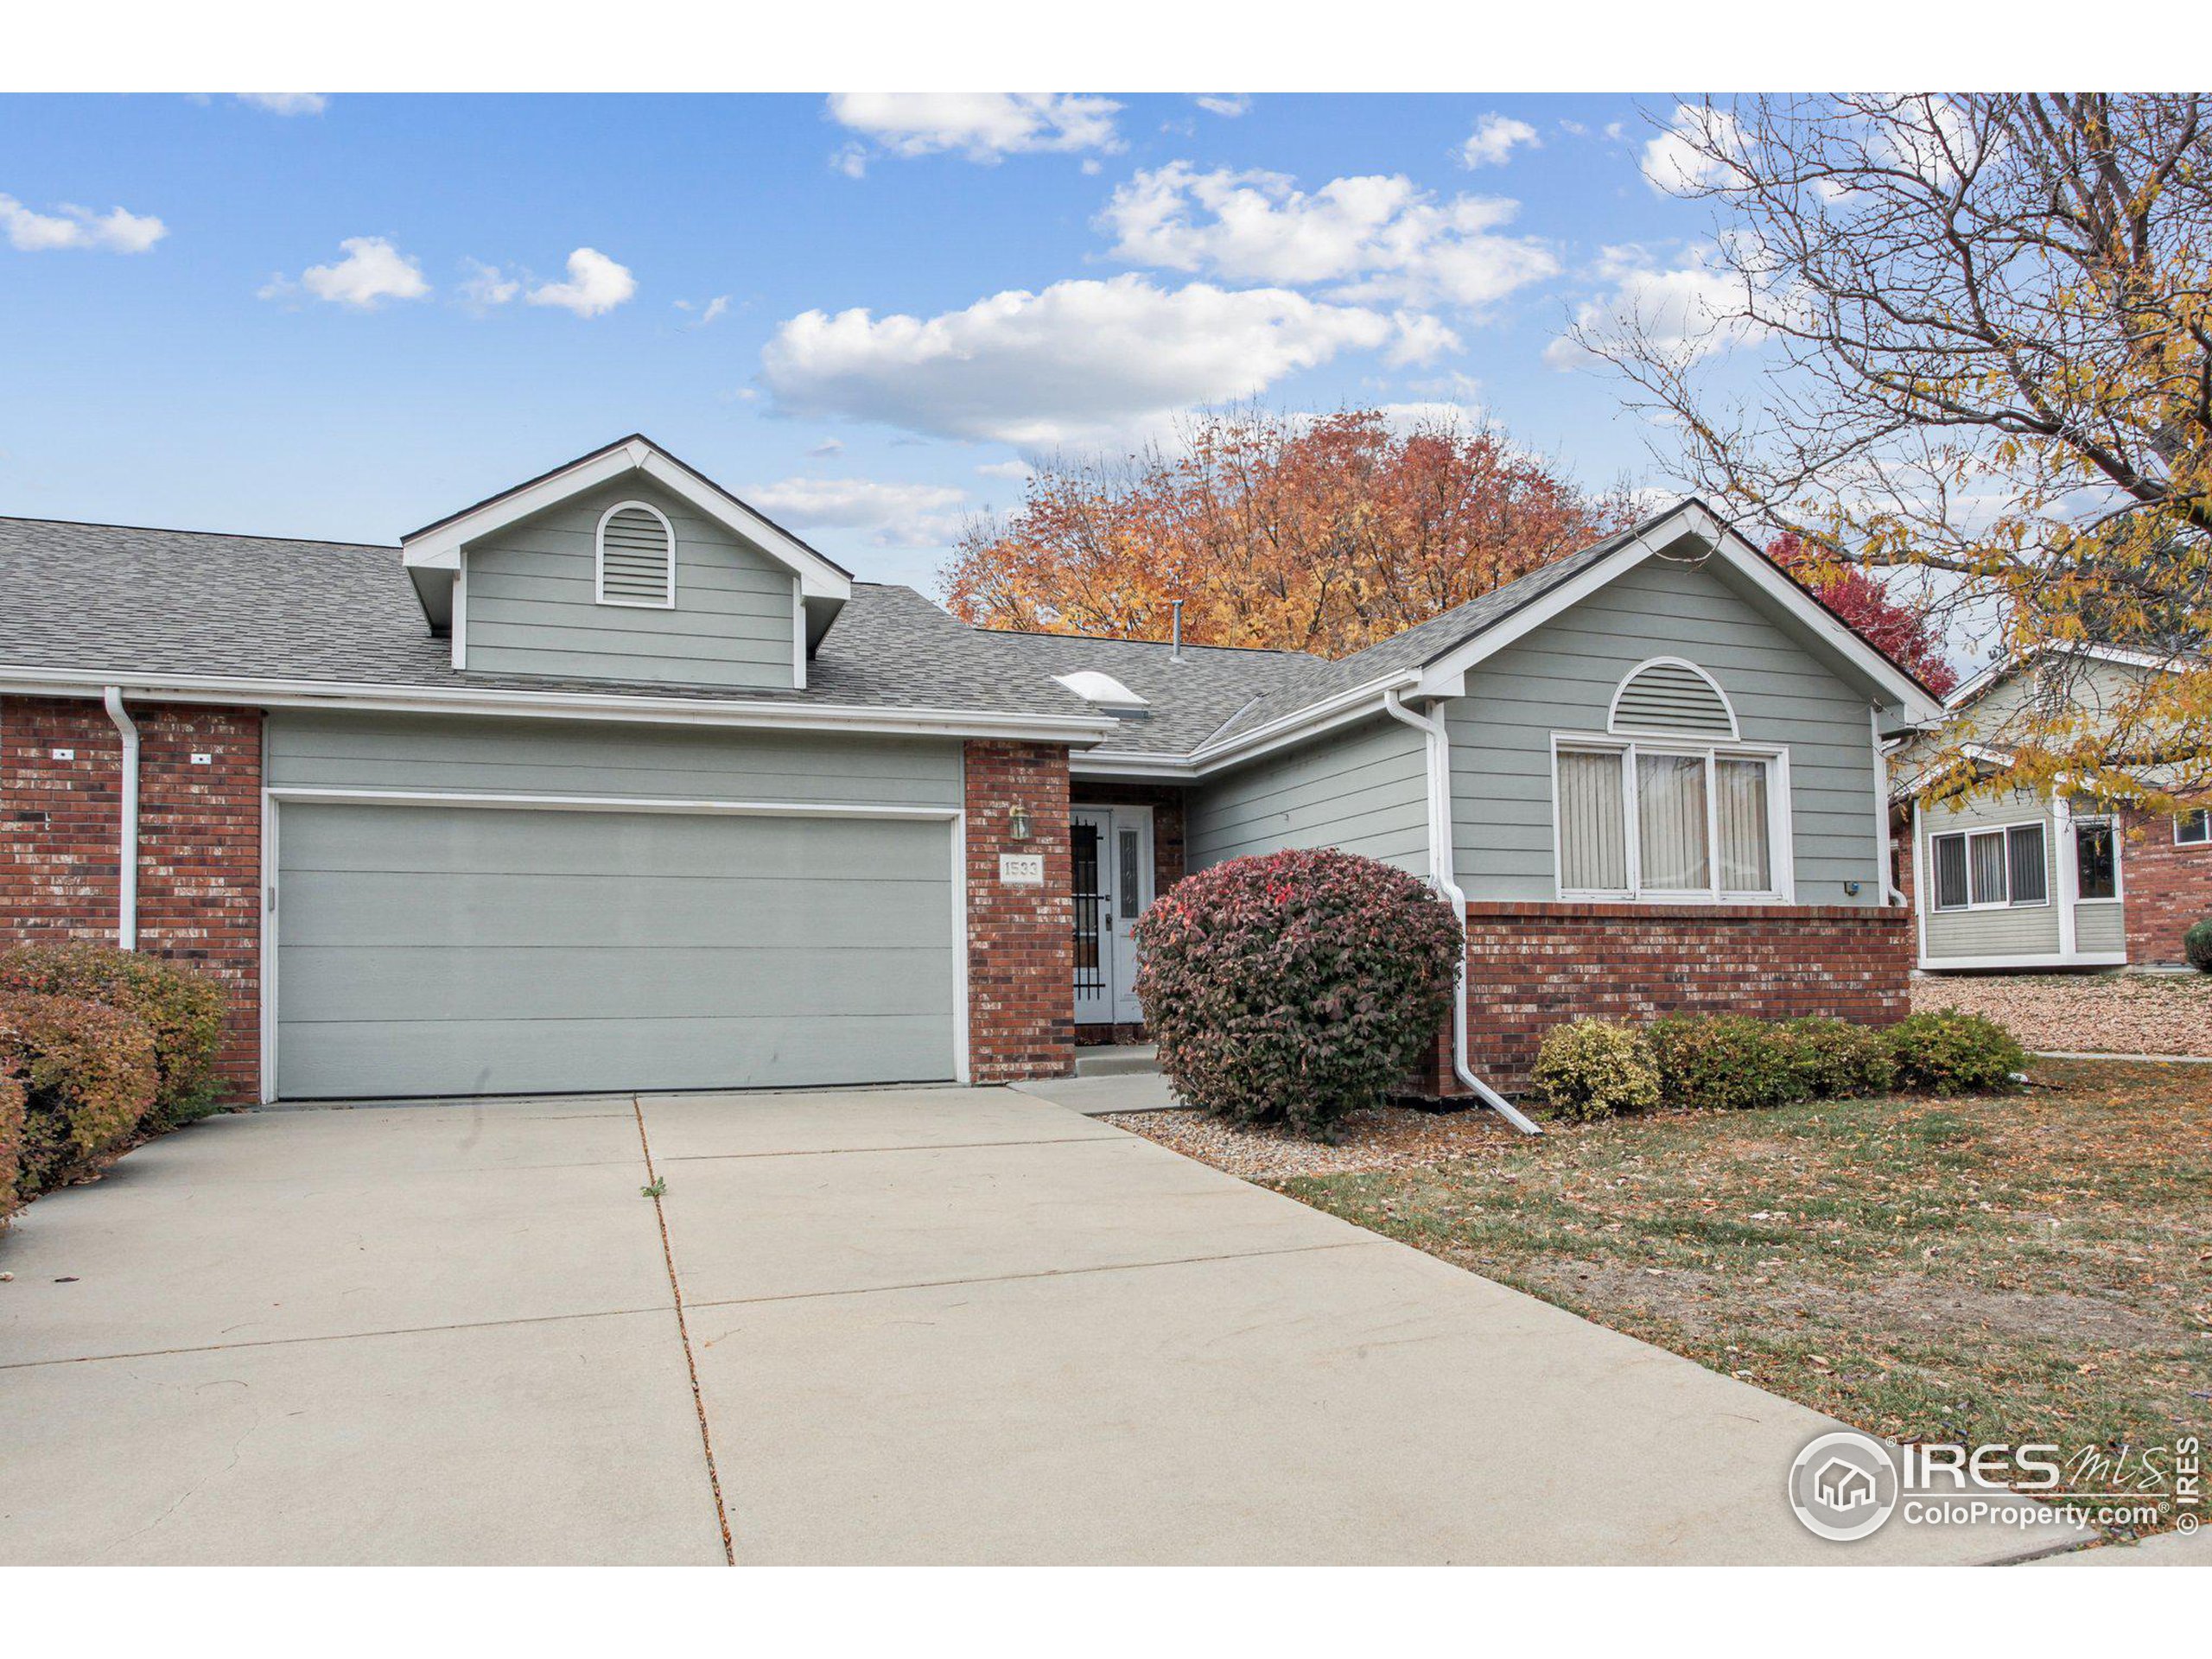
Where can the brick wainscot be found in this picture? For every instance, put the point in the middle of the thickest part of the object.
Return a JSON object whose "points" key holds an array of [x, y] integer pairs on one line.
{"points": [[1534, 966], [1020, 938], [199, 843]]}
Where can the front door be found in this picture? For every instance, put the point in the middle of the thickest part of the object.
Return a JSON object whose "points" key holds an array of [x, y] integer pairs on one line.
{"points": [[1112, 847]]}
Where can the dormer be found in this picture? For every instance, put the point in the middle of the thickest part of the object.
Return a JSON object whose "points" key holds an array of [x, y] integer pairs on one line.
{"points": [[626, 566]]}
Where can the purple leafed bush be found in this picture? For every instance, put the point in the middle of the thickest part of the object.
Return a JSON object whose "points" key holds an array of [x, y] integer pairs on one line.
{"points": [[1297, 987]]}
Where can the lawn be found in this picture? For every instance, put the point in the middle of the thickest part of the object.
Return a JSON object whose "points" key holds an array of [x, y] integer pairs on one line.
{"points": [[2033, 1268]]}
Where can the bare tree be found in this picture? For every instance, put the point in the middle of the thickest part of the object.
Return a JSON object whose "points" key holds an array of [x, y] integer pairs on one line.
{"points": [[1972, 334]]}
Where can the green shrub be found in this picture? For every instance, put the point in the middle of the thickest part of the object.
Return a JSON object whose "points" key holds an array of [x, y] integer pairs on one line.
{"points": [[1296, 986], [1587, 1070], [11, 1140], [184, 1009], [1722, 1062], [1834, 1059], [1952, 1051], [88, 1079], [2196, 944]]}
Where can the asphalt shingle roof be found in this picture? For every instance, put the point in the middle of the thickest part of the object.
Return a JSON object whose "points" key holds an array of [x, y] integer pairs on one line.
{"points": [[111, 599]]}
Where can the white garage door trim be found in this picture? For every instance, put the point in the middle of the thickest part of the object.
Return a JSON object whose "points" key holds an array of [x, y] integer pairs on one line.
{"points": [[273, 799]]}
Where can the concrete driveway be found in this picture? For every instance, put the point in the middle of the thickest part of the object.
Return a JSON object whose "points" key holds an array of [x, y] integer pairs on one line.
{"points": [[930, 1325]]}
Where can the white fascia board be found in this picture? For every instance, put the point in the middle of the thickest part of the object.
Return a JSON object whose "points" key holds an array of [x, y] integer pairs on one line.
{"points": [[440, 549], [1167, 768], [553, 705], [1446, 675], [2047, 959]]}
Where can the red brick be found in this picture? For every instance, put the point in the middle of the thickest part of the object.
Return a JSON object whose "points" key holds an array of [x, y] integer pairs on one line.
{"points": [[1020, 939]]}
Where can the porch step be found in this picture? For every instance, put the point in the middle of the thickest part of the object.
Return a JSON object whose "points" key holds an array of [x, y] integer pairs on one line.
{"points": [[1116, 1060]]}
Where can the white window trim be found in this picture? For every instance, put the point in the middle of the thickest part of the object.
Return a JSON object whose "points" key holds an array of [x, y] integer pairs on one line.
{"points": [[2008, 902], [1781, 839], [599, 559], [1612, 710], [2204, 815]]}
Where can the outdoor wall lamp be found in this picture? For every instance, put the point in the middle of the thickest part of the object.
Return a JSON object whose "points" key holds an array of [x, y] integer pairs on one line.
{"points": [[1017, 822]]}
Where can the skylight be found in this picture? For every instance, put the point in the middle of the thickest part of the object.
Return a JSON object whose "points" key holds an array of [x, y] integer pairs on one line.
{"points": [[1101, 688]]}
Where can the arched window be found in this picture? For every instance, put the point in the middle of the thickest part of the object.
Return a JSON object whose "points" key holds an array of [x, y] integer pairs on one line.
{"points": [[636, 556]]}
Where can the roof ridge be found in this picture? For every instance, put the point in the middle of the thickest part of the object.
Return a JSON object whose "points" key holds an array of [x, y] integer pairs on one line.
{"points": [[1121, 639]]}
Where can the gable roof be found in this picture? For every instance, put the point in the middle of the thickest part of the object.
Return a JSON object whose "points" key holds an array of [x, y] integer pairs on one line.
{"points": [[2003, 668]]}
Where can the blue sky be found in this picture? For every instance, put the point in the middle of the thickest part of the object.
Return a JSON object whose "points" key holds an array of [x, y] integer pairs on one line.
{"points": [[356, 314]]}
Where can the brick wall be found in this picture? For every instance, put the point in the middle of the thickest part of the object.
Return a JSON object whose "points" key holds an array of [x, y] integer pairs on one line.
{"points": [[1533, 966], [200, 843], [2167, 888], [1020, 939], [1165, 801]]}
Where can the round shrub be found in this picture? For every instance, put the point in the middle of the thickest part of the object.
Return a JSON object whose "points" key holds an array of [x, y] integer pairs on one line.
{"points": [[88, 1078], [2196, 945], [1296, 986], [182, 1009], [1587, 1070], [1721, 1063], [1834, 1059], [1951, 1052]]}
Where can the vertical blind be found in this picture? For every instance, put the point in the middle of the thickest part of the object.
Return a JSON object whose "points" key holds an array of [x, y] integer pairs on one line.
{"points": [[1746, 858], [1676, 824], [1670, 821], [1592, 820]]}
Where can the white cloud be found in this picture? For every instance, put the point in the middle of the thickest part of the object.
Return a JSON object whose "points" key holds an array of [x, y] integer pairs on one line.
{"points": [[372, 272], [1466, 418], [1688, 311], [1421, 338], [851, 161], [487, 285], [1370, 238], [595, 285], [287, 103], [981, 126], [711, 311], [1678, 162], [113, 231], [1228, 105], [827, 448], [1015, 470], [1491, 144], [896, 515], [1080, 362]]}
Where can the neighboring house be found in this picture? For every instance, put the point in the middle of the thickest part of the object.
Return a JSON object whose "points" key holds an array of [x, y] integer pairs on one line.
{"points": [[608, 782], [2009, 879]]}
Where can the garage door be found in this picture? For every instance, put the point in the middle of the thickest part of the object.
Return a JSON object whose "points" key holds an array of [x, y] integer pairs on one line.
{"points": [[446, 951]]}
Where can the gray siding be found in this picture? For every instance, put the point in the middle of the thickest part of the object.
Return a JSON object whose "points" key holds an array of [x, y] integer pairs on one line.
{"points": [[1364, 790], [2101, 925], [532, 610], [535, 756], [1561, 678], [2016, 931]]}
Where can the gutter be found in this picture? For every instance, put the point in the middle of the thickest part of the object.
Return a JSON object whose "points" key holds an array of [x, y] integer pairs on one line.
{"points": [[126, 920], [554, 705], [1439, 857]]}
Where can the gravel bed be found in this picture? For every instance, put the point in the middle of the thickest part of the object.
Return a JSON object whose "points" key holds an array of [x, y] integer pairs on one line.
{"points": [[2109, 1014], [1388, 1137]]}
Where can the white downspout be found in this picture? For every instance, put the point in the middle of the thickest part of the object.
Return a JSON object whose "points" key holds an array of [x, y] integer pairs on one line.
{"points": [[1891, 894], [1440, 863], [126, 921]]}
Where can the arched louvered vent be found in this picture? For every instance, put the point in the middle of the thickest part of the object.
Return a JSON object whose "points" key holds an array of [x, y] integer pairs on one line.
{"points": [[1669, 694], [637, 557]]}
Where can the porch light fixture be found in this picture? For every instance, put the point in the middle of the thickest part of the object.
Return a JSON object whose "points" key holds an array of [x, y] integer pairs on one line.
{"points": [[1017, 822]]}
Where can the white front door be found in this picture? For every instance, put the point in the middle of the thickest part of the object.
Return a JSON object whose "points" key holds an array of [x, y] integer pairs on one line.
{"points": [[1112, 847]]}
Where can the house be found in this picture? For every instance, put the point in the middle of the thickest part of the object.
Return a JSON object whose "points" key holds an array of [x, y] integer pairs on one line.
{"points": [[1844, 1486], [2006, 878], [608, 782]]}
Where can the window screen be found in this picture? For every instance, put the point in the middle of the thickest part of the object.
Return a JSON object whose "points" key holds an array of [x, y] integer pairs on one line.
{"points": [[1950, 871], [2030, 880]]}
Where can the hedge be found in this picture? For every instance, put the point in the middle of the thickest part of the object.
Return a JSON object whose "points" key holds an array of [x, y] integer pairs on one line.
{"points": [[1951, 1052], [182, 1009], [1295, 987], [88, 1077], [1587, 1070], [11, 1140]]}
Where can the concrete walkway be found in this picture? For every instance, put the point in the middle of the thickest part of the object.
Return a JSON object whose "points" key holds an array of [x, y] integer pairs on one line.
{"points": [[938, 1325]]}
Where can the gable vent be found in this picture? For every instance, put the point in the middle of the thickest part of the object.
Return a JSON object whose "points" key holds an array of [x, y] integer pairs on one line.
{"points": [[637, 557], [1671, 696]]}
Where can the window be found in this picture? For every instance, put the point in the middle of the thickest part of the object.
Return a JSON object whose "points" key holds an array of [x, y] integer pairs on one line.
{"points": [[1666, 821], [2096, 860], [1982, 869], [636, 556], [2194, 828]]}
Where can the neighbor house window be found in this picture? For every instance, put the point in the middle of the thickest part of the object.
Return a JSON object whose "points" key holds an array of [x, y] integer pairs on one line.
{"points": [[2096, 860], [1666, 821], [2194, 828], [1983, 869]]}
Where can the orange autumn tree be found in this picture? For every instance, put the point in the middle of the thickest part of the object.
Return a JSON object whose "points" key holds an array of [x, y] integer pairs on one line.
{"points": [[1317, 535]]}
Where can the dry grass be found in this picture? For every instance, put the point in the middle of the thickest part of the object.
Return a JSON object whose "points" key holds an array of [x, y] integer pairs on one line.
{"points": [[1390, 1137], [2032, 1268], [2100, 1013]]}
